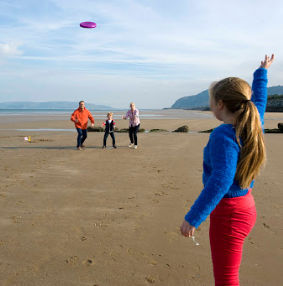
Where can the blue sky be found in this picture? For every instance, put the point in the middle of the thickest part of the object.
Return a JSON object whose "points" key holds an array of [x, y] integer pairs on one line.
{"points": [[151, 52]]}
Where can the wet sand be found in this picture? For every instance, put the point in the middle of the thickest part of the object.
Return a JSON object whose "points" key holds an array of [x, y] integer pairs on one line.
{"points": [[111, 217]]}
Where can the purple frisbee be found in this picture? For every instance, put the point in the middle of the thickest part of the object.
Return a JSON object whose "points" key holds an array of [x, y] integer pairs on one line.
{"points": [[88, 25]]}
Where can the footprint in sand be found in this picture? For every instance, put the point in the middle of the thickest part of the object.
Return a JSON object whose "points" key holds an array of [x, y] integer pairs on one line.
{"points": [[158, 254], [19, 203], [100, 225], [72, 260], [160, 194], [266, 225], [17, 219], [172, 235], [150, 279], [153, 262], [88, 262], [251, 240], [2, 243], [83, 238]]}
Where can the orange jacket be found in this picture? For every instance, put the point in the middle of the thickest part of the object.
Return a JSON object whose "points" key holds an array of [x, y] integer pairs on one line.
{"points": [[82, 116]]}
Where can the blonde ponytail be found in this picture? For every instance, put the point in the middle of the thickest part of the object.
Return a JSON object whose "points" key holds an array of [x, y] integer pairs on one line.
{"points": [[236, 94], [252, 156]]}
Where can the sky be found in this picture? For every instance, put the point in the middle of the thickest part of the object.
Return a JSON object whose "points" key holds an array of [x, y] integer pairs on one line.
{"points": [[151, 52]]}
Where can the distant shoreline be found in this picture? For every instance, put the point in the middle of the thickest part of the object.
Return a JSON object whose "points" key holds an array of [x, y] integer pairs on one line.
{"points": [[268, 109]]}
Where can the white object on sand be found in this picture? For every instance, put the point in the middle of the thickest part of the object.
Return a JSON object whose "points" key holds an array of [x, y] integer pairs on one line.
{"points": [[194, 240], [28, 139]]}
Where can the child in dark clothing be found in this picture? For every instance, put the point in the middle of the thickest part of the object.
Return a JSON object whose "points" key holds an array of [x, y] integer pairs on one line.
{"points": [[109, 129]]}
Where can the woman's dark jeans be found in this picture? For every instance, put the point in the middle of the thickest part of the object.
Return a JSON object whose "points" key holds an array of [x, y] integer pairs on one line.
{"points": [[133, 130]]}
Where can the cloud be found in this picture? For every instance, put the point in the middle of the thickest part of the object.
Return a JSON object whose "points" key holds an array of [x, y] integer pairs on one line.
{"points": [[10, 50], [137, 43]]}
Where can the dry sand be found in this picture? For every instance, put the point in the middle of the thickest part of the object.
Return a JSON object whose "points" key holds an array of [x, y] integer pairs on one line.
{"points": [[111, 217]]}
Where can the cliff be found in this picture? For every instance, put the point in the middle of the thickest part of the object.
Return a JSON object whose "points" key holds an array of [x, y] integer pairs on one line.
{"points": [[201, 100]]}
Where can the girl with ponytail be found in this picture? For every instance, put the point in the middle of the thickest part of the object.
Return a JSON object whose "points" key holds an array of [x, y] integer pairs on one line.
{"points": [[232, 159]]}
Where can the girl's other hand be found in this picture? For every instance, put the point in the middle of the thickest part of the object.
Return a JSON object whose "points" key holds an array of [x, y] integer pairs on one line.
{"points": [[187, 229], [266, 63]]}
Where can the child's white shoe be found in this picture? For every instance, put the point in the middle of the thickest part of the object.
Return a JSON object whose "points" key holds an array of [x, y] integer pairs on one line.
{"points": [[136, 147], [131, 145]]}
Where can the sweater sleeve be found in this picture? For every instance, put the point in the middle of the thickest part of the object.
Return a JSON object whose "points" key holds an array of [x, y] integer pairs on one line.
{"points": [[223, 154], [259, 91], [127, 114], [90, 117], [74, 116]]}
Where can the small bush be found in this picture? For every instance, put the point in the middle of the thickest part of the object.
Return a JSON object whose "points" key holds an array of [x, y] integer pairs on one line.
{"points": [[158, 130], [123, 130]]}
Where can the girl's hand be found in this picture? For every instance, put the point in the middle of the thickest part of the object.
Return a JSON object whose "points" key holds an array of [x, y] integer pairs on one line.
{"points": [[266, 63], [187, 229]]}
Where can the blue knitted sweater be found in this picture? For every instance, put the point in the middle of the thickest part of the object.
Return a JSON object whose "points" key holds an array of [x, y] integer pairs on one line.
{"points": [[220, 158]]}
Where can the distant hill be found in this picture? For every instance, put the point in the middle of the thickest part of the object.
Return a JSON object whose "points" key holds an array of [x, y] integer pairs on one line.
{"points": [[198, 101], [201, 100], [49, 105]]}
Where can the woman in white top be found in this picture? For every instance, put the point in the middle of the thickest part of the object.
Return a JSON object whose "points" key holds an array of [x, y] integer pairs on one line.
{"points": [[134, 124]]}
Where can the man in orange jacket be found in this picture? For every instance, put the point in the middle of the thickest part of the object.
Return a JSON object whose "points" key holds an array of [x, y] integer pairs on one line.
{"points": [[80, 116]]}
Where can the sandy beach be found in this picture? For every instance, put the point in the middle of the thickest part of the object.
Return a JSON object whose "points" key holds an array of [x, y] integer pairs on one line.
{"points": [[112, 217]]}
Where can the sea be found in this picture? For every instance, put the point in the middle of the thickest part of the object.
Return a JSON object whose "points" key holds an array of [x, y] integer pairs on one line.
{"points": [[101, 114], [32, 115]]}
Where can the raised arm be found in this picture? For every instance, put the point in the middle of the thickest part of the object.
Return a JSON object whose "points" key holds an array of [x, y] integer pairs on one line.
{"points": [[259, 86]]}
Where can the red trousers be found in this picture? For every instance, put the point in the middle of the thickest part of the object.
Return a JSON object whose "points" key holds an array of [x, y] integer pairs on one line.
{"points": [[230, 223]]}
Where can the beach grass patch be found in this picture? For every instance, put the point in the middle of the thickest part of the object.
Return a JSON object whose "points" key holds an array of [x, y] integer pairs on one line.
{"points": [[158, 130], [126, 130]]}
